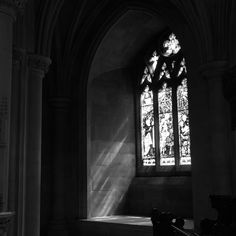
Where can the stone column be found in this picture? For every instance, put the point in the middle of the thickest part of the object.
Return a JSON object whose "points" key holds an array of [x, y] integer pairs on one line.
{"points": [[229, 82], [233, 161], [37, 67], [60, 108], [7, 16], [219, 134], [17, 140]]}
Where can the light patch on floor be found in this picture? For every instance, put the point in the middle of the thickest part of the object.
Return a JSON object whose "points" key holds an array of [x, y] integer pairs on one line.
{"points": [[134, 220]]}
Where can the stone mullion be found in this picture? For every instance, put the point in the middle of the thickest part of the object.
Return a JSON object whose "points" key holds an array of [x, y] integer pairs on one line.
{"points": [[156, 127], [175, 125]]}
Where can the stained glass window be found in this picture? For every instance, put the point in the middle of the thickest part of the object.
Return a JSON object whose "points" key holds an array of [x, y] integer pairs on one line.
{"points": [[164, 109]]}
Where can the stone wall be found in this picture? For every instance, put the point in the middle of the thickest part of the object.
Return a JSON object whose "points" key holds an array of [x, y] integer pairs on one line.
{"points": [[111, 154], [173, 194]]}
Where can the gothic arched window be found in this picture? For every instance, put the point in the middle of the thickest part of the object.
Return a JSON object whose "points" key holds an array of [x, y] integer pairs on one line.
{"points": [[164, 112]]}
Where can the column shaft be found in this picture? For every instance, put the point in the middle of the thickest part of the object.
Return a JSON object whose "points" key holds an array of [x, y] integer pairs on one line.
{"points": [[60, 107], [219, 127], [6, 26], [17, 141], [219, 138], [229, 85], [37, 68]]}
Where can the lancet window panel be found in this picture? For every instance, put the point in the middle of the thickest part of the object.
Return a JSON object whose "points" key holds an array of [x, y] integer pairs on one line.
{"points": [[147, 127]]}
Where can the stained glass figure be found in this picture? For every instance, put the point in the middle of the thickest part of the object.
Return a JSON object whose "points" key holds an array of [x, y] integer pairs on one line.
{"points": [[166, 140], [147, 126], [182, 68], [153, 63], [173, 64], [183, 124], [146, 76], [171, 46], [164, 72]]}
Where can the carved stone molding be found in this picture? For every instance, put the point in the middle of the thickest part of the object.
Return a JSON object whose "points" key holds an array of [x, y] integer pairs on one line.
{"points": [[39, 63]]}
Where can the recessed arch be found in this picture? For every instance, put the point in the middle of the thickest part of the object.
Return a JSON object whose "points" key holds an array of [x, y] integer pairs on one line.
{"points": [[84, 96], [110, 111]]}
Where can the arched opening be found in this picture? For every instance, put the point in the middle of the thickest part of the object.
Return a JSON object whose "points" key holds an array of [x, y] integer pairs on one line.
{"points": [[112, 185]]}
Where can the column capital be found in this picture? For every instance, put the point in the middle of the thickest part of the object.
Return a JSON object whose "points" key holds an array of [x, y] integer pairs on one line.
{"points": [[213, 69], [39, 63]]}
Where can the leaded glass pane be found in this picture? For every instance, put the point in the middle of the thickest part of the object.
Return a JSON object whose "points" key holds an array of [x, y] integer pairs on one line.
{"points": [[147, 128], [166, 134], [183, 124]]}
